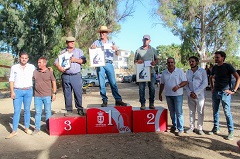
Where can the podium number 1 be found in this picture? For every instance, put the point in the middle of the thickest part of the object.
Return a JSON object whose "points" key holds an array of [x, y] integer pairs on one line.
{"points": [[68, 126], [110, 117], [150, 116]]}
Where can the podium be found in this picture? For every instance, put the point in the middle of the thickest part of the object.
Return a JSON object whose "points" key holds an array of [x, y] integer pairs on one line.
{"points": [[111, 119], [150, 120], [67, 125]]}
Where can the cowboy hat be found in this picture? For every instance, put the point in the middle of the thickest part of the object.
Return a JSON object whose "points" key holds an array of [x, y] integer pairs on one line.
{"points": [[103, 29]]}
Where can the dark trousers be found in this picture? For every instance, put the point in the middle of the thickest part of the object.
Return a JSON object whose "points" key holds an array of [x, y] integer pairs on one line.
{"points": [[72, 83]]}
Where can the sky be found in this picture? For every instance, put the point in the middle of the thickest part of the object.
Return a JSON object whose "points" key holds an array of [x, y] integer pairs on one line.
{"points": [[141, 23]]}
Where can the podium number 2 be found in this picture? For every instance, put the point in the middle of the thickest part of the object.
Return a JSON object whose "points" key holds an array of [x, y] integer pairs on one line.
{"points": [[68, 125], [150, 116]]}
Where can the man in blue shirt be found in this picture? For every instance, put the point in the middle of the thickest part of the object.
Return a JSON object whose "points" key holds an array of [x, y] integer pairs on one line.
{"points": [[71, 77], [109, 49]]}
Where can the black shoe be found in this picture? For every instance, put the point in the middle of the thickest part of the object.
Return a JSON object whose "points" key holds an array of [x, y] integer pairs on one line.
{"points": [[68, 113], [80, 112], [151, 106], [142, 107], [172, 129], [120, 103], [104, 104]]}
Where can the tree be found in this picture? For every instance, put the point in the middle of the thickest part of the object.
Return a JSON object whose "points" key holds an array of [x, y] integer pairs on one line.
{"points": [[204, 25]]}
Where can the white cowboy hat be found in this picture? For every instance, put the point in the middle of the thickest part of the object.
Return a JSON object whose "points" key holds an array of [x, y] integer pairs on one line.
{"points": [[103, 29]]}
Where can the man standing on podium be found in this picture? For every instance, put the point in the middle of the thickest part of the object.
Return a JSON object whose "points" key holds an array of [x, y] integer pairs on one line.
{"points": [[71, 76], [144, 54], [109, 49]]}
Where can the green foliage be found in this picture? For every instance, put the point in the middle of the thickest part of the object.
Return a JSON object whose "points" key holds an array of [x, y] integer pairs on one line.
{"points": [[7, 60], [204, 26]]}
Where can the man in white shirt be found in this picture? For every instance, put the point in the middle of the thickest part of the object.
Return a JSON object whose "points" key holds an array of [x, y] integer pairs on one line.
{"points": [[21, 92], [197, 82], [174, 79]]}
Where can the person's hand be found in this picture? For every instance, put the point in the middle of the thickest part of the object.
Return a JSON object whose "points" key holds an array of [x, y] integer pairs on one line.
{"points": [[174, 89], [153, 63], [229, 92], [93, 46], [73, 59], [193, 95], [139, 61], [61, 69], [12, 95], [114, 47], [53, 97]]}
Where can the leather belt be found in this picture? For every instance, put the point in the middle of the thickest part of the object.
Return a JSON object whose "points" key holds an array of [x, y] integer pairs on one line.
{"points": [[24, 88], [70, 74], [109, 61]]}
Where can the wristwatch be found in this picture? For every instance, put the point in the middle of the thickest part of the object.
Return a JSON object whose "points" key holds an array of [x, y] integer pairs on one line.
{"points": [[233, 90], [55, 93]]}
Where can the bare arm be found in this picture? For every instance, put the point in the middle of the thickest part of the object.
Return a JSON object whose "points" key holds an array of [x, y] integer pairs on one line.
{"points": [[11, 85], [54, 89], [211, 82], [160, 91]]}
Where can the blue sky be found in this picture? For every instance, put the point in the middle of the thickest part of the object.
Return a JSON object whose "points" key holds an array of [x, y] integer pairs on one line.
{"points": [[141, 23]]}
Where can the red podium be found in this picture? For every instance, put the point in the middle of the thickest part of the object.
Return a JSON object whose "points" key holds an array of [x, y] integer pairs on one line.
{"points": [[150, 120], [70, 125], [116, 119]]}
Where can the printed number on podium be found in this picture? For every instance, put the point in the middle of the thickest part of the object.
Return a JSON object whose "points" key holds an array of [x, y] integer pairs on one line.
{"points": [[68, 126], [109, 117], [151, 117]]}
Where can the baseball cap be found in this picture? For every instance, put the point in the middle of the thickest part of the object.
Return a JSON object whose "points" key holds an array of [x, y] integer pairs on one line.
{"points": [[146, 37]]}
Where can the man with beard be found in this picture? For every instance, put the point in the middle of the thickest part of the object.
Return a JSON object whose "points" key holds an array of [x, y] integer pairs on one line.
{"points": [[197, 82], [222, 91]]}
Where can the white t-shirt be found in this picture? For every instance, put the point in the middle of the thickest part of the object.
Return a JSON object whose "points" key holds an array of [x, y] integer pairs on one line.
{"points": [[22, 78], [171, 80]]}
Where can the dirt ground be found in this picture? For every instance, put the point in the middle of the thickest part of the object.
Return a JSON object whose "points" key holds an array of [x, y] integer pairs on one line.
{"points": [[119, 146]]}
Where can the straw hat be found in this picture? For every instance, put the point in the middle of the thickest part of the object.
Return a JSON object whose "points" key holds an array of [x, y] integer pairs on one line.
{"points": [[70, 38], [103, 29]]}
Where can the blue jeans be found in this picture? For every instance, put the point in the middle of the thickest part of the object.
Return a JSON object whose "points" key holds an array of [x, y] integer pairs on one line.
{"points": [[151, 87], [218, 96], [38, 102], [109, 71], [176, 113], [22, 97]]}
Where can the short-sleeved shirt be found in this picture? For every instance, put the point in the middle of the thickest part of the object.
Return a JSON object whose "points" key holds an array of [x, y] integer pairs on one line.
{"points": [[106, 47], [22, 78], [43, 83], [75, 67], [222, 76], [171, 80], [146, 55]]}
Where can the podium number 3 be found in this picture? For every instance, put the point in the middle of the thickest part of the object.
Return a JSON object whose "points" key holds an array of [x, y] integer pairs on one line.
{"points": [[150, 116], [68, 126]]}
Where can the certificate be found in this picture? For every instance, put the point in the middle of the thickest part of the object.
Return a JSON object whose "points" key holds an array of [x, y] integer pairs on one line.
{"points": [[65, 60], [97, 57], [143, 73]]}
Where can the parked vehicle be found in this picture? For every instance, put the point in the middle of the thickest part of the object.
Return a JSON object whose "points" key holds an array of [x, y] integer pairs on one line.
{"points": [[94, 82], [127, 79]]}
